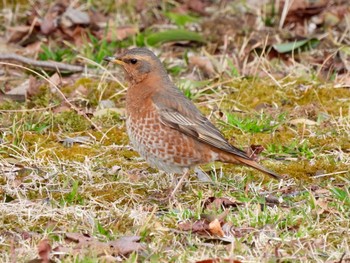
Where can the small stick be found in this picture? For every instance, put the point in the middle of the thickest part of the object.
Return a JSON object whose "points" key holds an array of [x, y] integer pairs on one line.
{"points": [[41, 64], [186, 172]]}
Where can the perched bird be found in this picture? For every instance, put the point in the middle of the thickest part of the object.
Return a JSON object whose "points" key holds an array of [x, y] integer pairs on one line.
{"points": [[164, 126]]}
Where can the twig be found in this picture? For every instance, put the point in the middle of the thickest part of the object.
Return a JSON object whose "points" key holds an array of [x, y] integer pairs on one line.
{"points": [[329, 174], [41, 64]]}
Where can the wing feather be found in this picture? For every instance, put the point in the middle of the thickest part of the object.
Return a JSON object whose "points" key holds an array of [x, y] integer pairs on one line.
{"points": [[179, 113]]}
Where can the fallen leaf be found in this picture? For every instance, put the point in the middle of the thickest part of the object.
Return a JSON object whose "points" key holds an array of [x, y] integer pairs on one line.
{"points": [[33, 88], [68, 142], [44, 249], [20, 92], [215, 228], [73, 17], [84, 242], [125, 245], [50, 21], [215, 203], [303, 121], [120, 33], [201, 226], [16, 33], [202, 176], [218, 260], [55, 81], [254, 151], [203, 63]]}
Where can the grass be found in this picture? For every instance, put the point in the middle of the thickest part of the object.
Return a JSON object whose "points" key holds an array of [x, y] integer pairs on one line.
{"points": [[49, 189], [102, 187]]}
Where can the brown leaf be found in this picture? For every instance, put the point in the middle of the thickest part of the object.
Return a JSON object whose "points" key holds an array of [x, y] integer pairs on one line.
{"points": [[73, 17], [44, 249], [120, 33], [254, 151], [16, 33], [122, 246], [215, 203], [33, 49], [218, 260], [33, 88], [304, 9], [201, 226], [231, 231], [50, 21], [78, 34], [203, 63], [125, 245], [215, 228], [19, 93], [55, 80]]}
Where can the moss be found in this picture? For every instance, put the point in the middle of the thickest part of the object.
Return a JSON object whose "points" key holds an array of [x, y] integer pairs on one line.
{"points": [[70, 121], [94, 90], [42, 98], [76, 153], [304, 169], [116, 136]]}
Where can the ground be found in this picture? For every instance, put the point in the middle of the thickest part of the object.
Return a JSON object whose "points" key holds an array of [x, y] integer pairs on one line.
{"points": [[275, 84]]}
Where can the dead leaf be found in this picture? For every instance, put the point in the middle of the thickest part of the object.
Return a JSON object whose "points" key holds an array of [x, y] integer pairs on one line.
{"points": [[299, 10], [33, 49], [20, 92], [33, 88], [73, 17], [323, 208], [77, 34], [16, 33], [81, 91], [303, 121], [50, 22], [68, 142], [203, 63], [120, 33], [84, 242], [215, 228], [199, 226], [218, 260], [55, 81], [197, 6], [64, 106], [44, 249], [125, 245], [254, 151], [215, 203]]}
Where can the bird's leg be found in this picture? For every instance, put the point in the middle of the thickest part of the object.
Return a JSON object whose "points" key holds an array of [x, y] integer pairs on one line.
{"points": [[184, 175]]}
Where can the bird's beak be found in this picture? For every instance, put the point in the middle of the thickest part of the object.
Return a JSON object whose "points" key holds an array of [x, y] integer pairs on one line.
{"points": [[115, 60]]}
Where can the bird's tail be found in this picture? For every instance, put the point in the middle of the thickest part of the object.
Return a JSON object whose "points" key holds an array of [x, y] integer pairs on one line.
{"points": [[230, 158]]}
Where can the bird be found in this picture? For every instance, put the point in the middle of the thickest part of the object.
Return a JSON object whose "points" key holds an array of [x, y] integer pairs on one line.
{"points": [[165, 127]]}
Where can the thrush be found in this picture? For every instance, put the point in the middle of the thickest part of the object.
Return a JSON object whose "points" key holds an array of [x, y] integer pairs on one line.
{"points": [[164, 126]]}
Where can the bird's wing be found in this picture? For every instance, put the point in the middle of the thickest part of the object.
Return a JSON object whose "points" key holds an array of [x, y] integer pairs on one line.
{"points": [[179, 113]]}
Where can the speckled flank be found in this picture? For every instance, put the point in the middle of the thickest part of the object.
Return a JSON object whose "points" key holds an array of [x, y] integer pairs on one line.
{"points": [[165, 148]]}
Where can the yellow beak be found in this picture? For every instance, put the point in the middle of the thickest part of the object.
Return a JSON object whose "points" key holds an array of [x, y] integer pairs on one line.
{"points": [[115, 60]]}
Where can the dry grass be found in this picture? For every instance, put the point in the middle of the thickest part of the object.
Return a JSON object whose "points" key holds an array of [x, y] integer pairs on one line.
{"points": [[104, 189]]}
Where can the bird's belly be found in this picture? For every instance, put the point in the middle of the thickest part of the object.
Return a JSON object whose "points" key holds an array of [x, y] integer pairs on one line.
{"points": [[161, 146]]}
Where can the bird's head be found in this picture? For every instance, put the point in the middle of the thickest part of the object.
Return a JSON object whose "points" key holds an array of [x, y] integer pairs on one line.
{"points": [[138, 64]]}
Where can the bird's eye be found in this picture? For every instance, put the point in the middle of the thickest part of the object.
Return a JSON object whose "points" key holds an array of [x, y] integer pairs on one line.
{"points": [[133, 61]]}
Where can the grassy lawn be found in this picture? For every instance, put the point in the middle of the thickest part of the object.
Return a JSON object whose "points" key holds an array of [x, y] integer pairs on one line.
{"points": [[72, 187]]}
